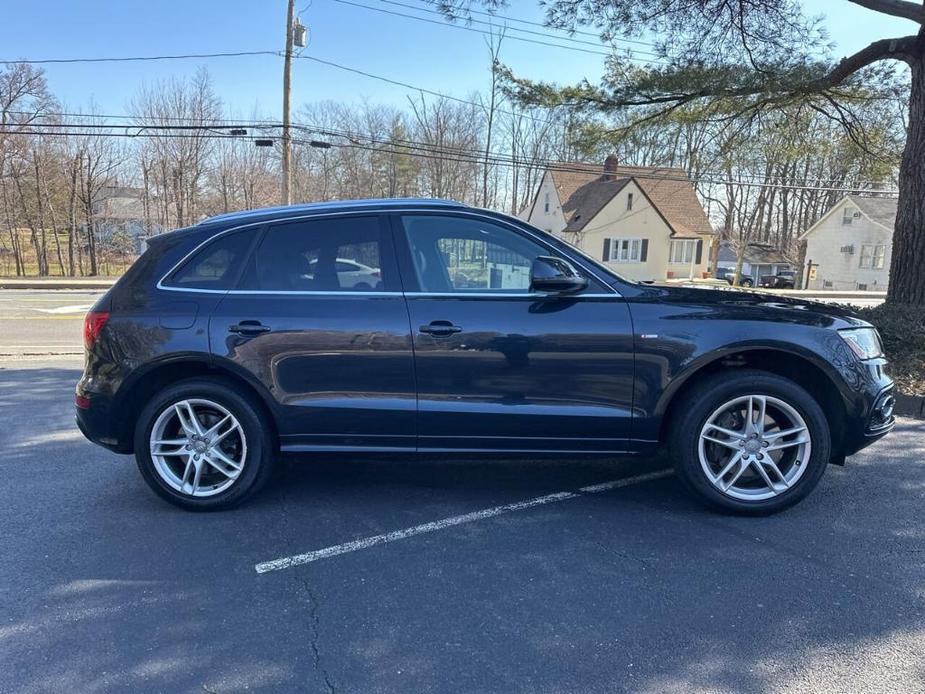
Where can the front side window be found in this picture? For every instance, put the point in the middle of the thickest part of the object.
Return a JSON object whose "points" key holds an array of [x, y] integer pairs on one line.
{"points": [[682, 251], [459, 255], [216, 265], [318, 255]]}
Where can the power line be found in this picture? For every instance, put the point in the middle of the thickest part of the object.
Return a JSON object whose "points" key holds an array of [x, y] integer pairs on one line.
{"points": [[472, 29], [423, 90], [219, 124], [509, 18], [546, 34], [429, 151], [130, 59]]}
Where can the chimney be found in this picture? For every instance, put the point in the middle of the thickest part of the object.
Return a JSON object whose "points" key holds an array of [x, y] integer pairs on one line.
{"points": [[610, 168]]}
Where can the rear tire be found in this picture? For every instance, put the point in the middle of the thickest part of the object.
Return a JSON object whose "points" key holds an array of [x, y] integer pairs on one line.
{"points": [[775, 469], [200, 445]]}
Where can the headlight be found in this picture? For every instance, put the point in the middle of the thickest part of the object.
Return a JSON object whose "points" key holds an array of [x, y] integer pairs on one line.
{"points": [[864, 342]]}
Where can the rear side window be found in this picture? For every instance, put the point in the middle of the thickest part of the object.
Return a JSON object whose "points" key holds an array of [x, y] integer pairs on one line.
{"points": [[215, 266], [342, 254]]}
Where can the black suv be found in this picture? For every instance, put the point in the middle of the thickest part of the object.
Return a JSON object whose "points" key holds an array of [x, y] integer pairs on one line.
{"points": [[426, 326]]}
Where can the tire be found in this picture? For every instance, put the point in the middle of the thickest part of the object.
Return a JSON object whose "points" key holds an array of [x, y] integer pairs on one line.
{"points": [[750, 494], [746, 283], [246, 446]]}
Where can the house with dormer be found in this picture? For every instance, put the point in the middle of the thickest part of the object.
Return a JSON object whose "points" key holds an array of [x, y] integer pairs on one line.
{"points": [[645, 222]]}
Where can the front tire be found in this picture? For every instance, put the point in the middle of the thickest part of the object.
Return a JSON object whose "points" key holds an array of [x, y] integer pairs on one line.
{"points": [[200, 445], [750, 442]]}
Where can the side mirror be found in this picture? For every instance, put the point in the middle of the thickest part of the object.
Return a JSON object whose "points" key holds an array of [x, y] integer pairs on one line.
{"points": [[555, 276]]}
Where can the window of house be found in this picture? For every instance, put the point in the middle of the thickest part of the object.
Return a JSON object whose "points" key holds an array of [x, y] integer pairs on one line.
{"points": [[546, 203], [847, 214], [626, 250], [872, 256], [629, 201], [682, 251]]}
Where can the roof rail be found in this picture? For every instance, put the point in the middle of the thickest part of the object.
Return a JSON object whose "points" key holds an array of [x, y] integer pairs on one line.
{"points": [[333, 205]]}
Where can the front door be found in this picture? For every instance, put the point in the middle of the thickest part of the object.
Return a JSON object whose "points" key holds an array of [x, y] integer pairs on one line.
{"points": [[499, 367], [319, 318]]}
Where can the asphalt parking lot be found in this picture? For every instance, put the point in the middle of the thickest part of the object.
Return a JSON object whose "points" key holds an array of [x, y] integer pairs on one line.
{"points": [[627, 588]]}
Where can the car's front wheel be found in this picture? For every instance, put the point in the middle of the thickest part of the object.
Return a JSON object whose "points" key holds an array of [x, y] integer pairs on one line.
{"points": [[750, 441], [200, 445]]}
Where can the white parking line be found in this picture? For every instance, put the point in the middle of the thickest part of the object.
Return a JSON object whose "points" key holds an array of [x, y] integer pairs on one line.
{"points": [[367, 542]]}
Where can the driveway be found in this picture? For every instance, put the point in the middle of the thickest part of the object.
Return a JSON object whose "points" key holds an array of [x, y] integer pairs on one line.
{"points": [[561, 576]]}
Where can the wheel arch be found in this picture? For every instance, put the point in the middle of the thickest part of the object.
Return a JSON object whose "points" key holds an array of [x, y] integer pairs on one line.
{"points": [[154, 377], [799, 367]]}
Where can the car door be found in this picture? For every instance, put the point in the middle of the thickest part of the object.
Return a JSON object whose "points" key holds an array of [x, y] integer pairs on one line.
{"points": [[497, 366], [332, 348]]}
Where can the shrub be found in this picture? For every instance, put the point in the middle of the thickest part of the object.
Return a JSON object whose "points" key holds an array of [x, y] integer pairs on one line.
{"points": [[903, 331]]}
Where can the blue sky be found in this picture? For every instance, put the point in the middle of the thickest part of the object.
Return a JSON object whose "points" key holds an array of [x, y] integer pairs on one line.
{"points": [[440, 58]]}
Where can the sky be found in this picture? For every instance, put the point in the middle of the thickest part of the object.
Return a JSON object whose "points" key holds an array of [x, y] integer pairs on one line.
{"points": [[433, 56]]}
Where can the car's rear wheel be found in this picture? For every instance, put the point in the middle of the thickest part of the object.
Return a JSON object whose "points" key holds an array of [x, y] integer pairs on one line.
{"points": [[746, 282], [750, 442], [200, 445]]}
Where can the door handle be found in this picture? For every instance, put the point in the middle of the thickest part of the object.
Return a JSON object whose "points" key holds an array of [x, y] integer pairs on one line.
{"points": [[439, 328], [249, 327]]}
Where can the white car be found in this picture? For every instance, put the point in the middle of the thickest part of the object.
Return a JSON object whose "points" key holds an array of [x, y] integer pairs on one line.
{"points": [[353, 275]]}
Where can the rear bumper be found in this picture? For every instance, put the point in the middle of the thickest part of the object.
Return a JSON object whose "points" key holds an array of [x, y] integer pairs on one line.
{"points": [[95, 423]]}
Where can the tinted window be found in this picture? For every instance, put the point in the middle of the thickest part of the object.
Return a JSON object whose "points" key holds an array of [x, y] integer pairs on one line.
{"points": [[456, 254], [340, 254], [216, 265]]}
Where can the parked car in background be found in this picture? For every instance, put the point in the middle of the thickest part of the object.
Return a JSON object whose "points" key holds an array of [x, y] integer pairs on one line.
{"points": [[223, 346], [782, 280], [728, 274]]}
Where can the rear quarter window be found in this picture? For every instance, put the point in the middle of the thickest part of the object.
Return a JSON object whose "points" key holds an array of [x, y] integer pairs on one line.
{"points": [[214, 266]]}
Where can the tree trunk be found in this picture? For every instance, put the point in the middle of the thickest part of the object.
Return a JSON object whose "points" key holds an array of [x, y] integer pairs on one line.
{"points": [[907, 266]]}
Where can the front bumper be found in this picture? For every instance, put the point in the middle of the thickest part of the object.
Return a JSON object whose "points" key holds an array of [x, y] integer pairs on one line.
{"points": [[878, 421]]}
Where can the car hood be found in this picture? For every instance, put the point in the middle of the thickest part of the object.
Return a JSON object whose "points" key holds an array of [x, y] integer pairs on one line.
{"points": [[791, 308]]}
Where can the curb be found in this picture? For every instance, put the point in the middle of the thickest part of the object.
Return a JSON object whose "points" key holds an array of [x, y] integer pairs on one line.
{"points": [[909, 405], [57, 284]]}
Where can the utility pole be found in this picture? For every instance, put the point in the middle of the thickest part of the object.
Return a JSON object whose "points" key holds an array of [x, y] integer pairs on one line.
{"points": [[286, 195]]}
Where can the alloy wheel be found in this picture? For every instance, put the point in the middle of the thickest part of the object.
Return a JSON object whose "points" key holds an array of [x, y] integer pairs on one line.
{"points": [[754, 447], [198, 447]]}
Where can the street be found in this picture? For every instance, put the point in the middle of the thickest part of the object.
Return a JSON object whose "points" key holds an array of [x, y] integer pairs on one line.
{"points": [[43, 322], [553, 580]]}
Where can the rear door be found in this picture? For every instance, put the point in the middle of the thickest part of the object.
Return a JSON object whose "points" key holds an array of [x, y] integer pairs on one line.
{"points": [[499, 367], [319, 319]]}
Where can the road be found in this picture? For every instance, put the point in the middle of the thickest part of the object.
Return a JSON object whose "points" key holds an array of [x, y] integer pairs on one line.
{"points": [[43, 322], [103, 587]]}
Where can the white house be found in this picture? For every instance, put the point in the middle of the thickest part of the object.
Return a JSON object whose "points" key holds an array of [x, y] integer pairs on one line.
{"points": [[645, 222], [850, 244]]}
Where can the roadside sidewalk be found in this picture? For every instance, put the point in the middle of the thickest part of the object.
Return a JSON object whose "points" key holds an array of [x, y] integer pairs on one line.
{"points": [[57, 282]]}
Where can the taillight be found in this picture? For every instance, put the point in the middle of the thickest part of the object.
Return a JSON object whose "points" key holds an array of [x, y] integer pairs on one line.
{"points": [[93, 325]]}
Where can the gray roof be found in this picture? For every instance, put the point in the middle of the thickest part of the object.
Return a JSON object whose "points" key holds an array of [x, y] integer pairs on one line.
{"points": [[755, 254], [880, 210]]}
